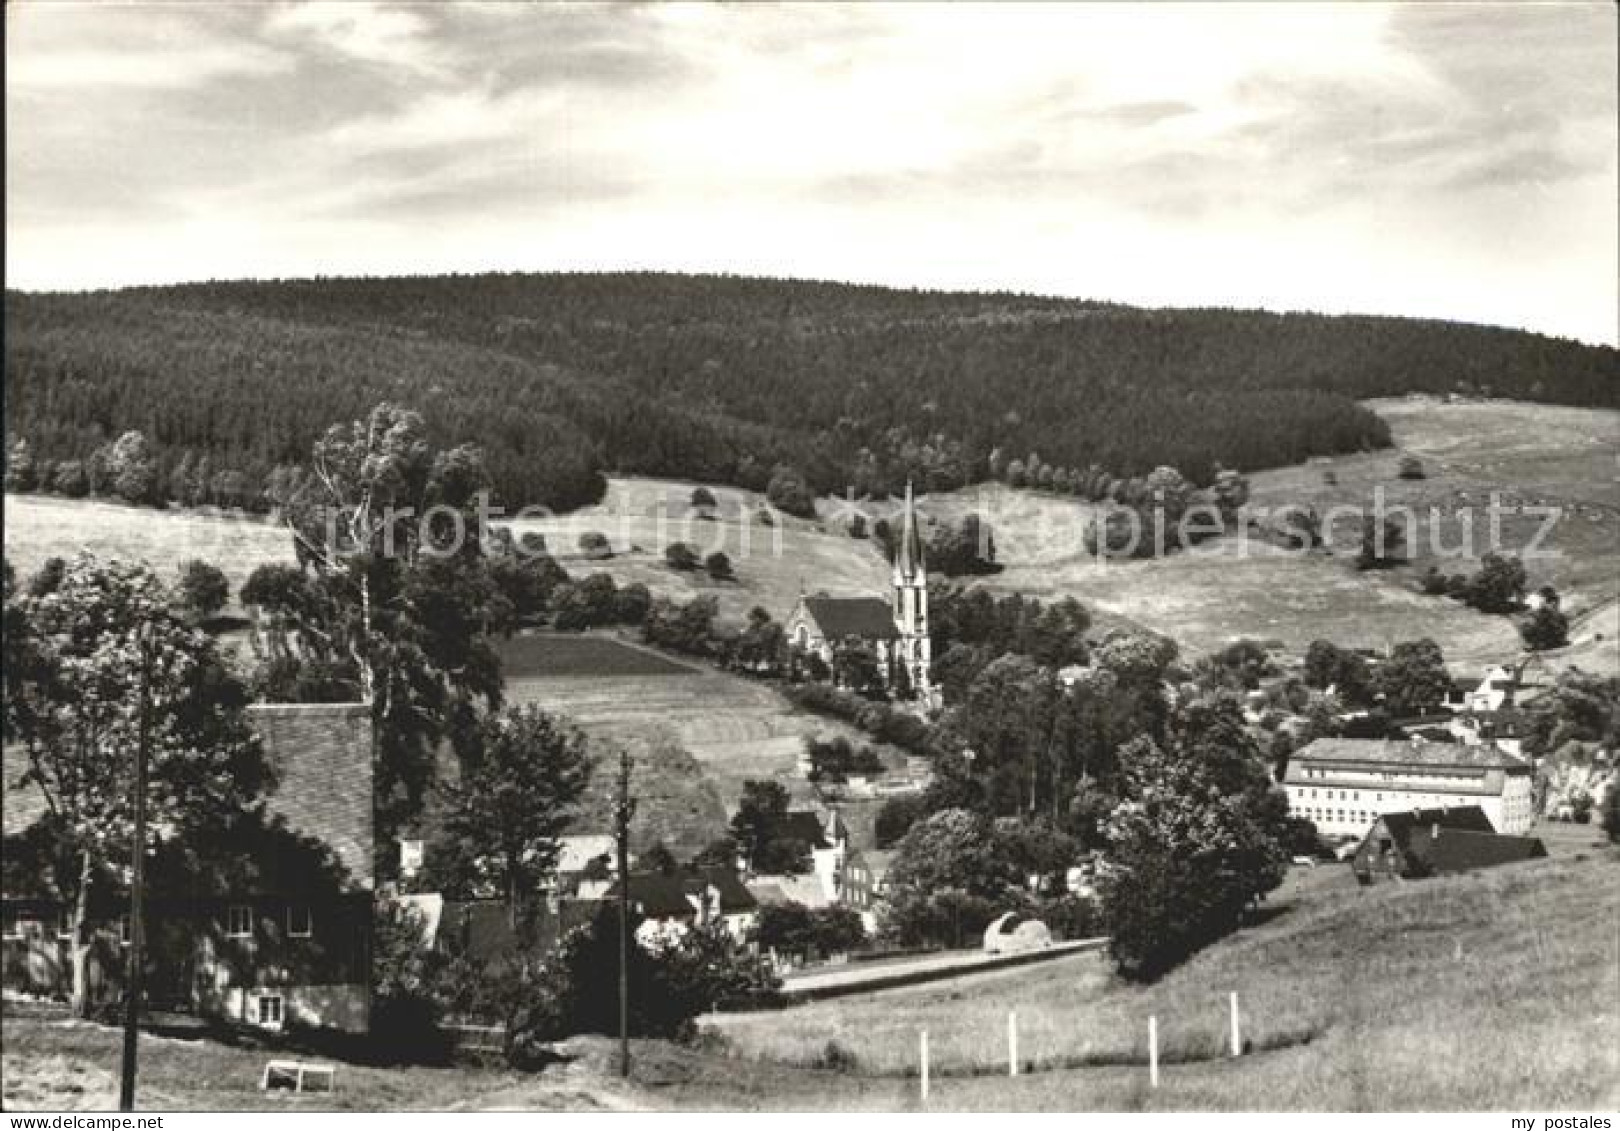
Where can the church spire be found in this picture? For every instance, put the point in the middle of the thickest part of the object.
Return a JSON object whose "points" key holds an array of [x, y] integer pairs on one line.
{"points": [[908, 560]]}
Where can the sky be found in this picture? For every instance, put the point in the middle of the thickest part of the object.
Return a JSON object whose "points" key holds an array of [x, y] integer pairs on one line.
{"points": [[1438, 160]]}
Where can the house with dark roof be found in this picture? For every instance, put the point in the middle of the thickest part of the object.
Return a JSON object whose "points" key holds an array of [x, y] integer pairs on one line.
{"points": [[896, 631], [668, 904], [277, 934], [1344, 784], [1433, 842]]}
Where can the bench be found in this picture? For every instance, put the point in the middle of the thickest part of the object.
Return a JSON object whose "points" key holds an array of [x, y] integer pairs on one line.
{"points": [[296, 1076]]}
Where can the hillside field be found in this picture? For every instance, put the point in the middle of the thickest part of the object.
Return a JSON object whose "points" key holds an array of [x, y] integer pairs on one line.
{"points": [[1487, 991], [39, 527], [1226, 588], [696, 734], [1531, 454]]}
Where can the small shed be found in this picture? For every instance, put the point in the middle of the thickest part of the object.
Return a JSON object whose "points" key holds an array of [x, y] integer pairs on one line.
{"points": [[1014, 933]]}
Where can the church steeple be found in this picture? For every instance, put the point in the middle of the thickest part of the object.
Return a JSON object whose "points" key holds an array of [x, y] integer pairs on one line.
{"points": [[911, 599], [908, 559]]}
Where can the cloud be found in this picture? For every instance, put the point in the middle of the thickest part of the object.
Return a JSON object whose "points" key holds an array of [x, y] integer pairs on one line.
{"points": [[76, 49], [1306, 155], [393, 38]]}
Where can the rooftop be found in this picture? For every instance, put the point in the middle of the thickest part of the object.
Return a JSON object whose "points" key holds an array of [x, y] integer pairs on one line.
{"points": [[1387, 752], [869, 618]]}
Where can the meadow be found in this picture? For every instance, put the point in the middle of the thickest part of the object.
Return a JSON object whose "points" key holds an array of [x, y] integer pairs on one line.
{"points": [[1479, 992], [39, 527], [696, 733], [1230, 587]]}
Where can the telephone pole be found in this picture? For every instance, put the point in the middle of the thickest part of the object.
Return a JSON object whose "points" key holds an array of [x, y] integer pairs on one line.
{"points": [[137, 879], [623, 809]]}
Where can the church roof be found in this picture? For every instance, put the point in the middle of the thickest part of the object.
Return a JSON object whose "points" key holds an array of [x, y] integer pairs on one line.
{"points": [[866, 617]]}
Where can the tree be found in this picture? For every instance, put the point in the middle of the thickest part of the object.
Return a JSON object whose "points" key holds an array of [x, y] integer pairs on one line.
{"points": [[49, 578], [758, 826], [1231, 492], [788, 492], [522, 779], [203, 589], [70, 480], [762, 644], [1411, 467], [131, 469], [703, 501], [1610, 816], [1201, 834], [965, 549], [718, 566], [1345, 671], [77, 660], [395, 610], [20, 467], [1546, 627], [855, 666], [896, 817], [1414, 678], [631, 602], [680, 556], [595, 545], [659, 859], [947, 881], [1240, 666], [1498, 586], [1383, 543]]}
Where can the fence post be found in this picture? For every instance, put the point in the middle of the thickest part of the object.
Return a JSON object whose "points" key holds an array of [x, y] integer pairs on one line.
{"points": [[1153, 1052], [923, 1060], [1237, 1033], [1012, 1042]]}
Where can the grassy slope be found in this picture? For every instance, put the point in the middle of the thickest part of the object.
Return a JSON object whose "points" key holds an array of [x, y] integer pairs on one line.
{"points": [[696, 734], [1479, 992], [1536, 454], [44, 526], [773, 563]]}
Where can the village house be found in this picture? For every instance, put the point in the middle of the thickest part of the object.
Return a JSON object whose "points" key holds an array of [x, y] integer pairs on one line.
{"points": [[1344, 784], [1495, 691], [896, 631], [1432, 842], [281, 937], [671, 904]]}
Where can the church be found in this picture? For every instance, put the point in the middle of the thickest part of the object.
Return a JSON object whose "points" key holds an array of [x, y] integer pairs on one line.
{"points": [[895, 630]]}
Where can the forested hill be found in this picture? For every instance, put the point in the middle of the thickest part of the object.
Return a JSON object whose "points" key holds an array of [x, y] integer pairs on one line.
{"points": [[562, 377]]}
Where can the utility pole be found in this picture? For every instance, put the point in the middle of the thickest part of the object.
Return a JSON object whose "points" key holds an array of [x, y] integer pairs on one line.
{"points": [[137, 879], [623, 809]]}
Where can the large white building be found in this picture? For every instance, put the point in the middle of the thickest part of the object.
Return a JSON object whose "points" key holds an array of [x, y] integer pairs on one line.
{"points": [[1344, 784]]}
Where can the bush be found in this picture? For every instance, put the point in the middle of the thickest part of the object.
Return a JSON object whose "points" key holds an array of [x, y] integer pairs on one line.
{"points": [[1411, 468], [882, 722], [203, 589], [70, 480], [1545, 628], [896, 817], [595, 545], [680, 556], [788, 492], [718, 566]]}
